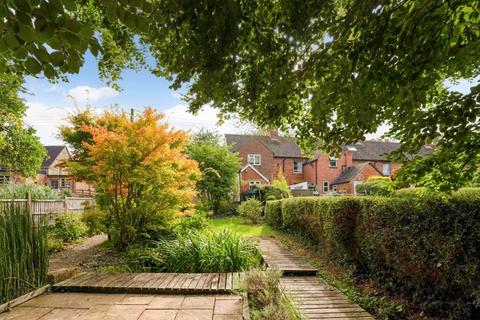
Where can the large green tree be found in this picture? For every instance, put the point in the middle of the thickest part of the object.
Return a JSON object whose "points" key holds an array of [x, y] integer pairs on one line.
{"points": [[219, 167], [20, 149], [330, 71]]}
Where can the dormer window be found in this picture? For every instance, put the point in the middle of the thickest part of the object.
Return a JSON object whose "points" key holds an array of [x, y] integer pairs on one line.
{"points": [[254, 159], [332, 162]]}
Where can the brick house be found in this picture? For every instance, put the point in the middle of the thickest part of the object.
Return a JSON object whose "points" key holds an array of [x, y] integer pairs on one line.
{"points": [[353, 166], [52, 173], [263, 157]]}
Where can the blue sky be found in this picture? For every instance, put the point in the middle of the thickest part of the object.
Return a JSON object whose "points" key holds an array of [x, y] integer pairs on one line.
{"points": [[49, 104]]}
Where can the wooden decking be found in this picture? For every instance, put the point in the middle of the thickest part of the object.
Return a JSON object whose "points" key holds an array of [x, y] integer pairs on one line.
{"points": [[152, 283], [277, 256], [315, 299]]}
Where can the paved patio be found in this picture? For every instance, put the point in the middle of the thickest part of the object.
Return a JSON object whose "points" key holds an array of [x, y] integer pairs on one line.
{"points": [[92, 306]]}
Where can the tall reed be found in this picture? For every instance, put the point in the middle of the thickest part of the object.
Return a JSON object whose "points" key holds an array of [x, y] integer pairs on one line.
{"points": [[23, 253]]}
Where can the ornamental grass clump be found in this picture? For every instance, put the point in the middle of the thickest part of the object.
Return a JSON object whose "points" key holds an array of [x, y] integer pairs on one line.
{"points": [[23, 253], [20, 191], [200, 252]]}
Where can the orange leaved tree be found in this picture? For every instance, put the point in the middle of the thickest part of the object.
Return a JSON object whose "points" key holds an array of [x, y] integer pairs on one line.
{"points": [[140, 172]]}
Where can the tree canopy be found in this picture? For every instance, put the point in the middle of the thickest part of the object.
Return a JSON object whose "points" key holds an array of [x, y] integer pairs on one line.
{"points": [[219, 167], [139, 171], [330, 71], [20, 148]]}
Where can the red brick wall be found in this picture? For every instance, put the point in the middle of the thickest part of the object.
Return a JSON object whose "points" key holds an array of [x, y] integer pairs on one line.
{"points": [[285, 165], [323, 170], [379, 165], [255, 147], [247, 175]]}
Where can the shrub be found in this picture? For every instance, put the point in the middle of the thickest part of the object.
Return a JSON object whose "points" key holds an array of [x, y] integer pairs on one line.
{"points": [[376, 185], [68, 227], [425, 247], [20, 191], [197, 221], [273, 213], [265, 298], [198, 252], [23, 253], [251, 208], [54, 244], [95, 221]]}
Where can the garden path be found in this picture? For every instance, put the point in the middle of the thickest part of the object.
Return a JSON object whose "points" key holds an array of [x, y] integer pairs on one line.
{"points": [[87, 254], [312, 296]]}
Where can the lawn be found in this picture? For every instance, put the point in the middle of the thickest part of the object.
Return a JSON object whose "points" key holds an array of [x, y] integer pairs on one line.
{"points": [[241, 225]]}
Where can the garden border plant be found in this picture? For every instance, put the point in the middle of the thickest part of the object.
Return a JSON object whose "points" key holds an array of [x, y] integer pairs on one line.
{"points": [[423, 246]]}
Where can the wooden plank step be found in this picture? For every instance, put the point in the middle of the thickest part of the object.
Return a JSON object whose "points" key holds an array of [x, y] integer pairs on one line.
{"points": [[316, 299], [276, 256], [176, 283]]}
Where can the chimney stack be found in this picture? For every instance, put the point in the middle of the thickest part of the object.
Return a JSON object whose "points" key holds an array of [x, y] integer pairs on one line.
{"points": [[273, 134]]}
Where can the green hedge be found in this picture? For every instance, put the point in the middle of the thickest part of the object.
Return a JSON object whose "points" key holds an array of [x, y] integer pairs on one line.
{"points": [[426, 247]]}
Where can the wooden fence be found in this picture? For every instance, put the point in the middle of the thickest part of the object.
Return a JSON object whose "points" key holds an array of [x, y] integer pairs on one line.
{"points": [[46, 210]]}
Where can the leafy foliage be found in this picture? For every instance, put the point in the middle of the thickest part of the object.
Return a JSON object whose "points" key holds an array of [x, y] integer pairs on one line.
{"points": [[424, 247], [376, 186], [68, 227], [266, 299], [37, 192], [95, 220], [20, 148], [196, 222], [139, 171], [219, 169], [198, 252], [23, 253], [252, 209]]}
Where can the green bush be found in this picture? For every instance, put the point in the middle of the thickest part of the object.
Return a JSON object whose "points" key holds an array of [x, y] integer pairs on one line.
{"points": [[376, 186], [20, 191], [95, 220], [54, 244], [273, 213], [252, 209], [197, 252], [195, 222], [23, 253], [424, 247], [68, 227]]}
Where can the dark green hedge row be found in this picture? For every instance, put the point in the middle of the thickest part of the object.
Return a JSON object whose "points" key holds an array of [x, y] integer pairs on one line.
{"points": [[426, 247]]}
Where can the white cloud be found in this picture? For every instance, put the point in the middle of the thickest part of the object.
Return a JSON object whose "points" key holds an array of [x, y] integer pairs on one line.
{"points": [[47, 119], [180, 118], [85, 95]]}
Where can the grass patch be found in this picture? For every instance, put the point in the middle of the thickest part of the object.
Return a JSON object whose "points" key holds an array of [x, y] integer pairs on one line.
{"points": [[241, 225]]}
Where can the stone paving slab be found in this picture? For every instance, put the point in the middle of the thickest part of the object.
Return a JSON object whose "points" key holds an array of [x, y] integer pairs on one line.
{"points": [[90, 306]]}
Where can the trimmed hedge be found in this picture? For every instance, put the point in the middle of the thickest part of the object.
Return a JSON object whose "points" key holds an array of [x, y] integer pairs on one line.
{"points": [[426, 247]]}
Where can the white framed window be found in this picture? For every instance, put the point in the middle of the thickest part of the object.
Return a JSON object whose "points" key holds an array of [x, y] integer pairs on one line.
{"points": [[297, 166], [254, 159], [332, 162], [334, 188], [386, 169], [252, 184], [4, 180], [326, 186]]}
